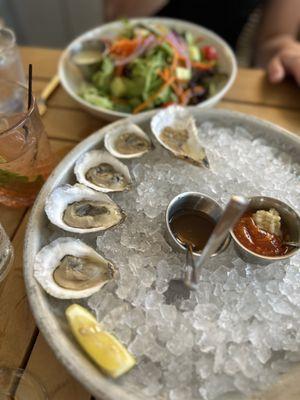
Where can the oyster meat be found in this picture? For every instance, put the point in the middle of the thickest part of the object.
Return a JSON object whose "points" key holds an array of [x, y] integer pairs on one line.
{"points": [[127, 141], [130, 143], [88, 214], [175, 129], [80, 209], [77, 273], [104, 175], [103, 172], [68, 268]]}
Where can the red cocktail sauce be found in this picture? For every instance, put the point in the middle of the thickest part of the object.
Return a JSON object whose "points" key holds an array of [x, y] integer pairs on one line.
{"points": [[257, 240]]}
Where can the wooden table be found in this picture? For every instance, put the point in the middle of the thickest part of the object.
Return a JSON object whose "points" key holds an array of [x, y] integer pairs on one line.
{"points": [[21, 344]]}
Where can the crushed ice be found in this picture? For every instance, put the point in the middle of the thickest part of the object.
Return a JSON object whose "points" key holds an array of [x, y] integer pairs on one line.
{"points": [[242, 327]]}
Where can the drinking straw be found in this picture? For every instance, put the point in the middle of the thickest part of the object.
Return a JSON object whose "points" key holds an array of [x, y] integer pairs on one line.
{"points": [[29, 85]]}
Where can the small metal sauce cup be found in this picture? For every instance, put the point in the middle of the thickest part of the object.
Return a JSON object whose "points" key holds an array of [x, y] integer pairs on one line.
{"points": [[289, 217], [88, 66], [197, 202]]}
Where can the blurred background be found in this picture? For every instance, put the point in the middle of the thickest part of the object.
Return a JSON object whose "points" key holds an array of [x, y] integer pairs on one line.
{"points": [[50, 23], [263, 33]]}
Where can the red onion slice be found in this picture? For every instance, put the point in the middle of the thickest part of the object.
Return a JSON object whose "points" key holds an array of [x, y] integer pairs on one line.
{"points": [[138, 52], [180, 46]]}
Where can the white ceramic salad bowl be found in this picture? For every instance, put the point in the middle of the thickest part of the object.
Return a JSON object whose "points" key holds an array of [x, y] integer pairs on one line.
{"points": [[71, 78]]}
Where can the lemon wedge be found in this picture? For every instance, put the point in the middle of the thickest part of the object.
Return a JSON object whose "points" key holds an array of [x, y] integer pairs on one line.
{"points": [[105, 350]]}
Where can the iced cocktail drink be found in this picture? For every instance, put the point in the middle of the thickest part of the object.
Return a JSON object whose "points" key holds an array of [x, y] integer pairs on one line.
{"points": [[25, 155]]}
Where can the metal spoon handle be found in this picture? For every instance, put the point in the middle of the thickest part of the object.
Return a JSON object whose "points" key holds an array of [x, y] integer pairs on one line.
{"points": [[189, 268], [293, 244], [234, 209]]}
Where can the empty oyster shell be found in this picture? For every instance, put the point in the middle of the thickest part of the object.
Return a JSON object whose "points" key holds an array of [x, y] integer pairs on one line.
{"points": [[127, 140], [175, 129], [67, 268], [101, 171], [80, 209]]}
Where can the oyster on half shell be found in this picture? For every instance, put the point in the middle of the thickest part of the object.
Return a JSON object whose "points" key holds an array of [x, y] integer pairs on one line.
{"points": [[80, 209], [67, 268], [127, 140], [175, 129], [101, 171]]}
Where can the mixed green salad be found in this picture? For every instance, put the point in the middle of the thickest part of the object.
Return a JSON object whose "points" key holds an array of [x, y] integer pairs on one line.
{"points": [[145, 67]]}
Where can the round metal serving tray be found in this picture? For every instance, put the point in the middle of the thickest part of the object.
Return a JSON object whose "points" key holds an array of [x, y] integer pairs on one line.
{"points": [[48, 311]]}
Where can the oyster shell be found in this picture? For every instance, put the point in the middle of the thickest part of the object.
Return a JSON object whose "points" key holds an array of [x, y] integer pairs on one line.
{"points": [[67, 268], [175, 129], [127, 140], [80, 209], [102, 172]]}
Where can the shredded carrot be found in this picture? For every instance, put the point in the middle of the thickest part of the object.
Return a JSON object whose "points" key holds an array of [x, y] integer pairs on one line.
{"points": [[175, 60], [177, 89], [175, 55], [165, 74], [146, 103], [203, 66], [186, 95], [181, 57], [183, 60], [124, 47]]}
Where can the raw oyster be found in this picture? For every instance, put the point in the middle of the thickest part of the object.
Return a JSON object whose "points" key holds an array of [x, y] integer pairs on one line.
{"points": [[175, 129], [80, 209], [101, 171], [67, 268], [127, 140]]}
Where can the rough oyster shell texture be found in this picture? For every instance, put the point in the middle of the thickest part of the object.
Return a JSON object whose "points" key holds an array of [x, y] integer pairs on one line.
{"points": [[136, 150], [49, 257], [175, 129], [63, 196], [94, 158]]}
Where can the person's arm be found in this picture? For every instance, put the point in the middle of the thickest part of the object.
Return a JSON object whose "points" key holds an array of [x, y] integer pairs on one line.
{"points": [[278, 49], [114, 9]]}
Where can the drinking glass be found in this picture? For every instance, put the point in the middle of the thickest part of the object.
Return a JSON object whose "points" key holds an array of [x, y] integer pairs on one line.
{"points": [[6, 253], [10, 61], [17, 384], [25, 154]]}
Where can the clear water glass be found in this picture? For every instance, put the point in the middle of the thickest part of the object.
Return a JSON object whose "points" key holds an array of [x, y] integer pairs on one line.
{"points": [[10, 62], [10, 70], [18, 384], [6, 254]]}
